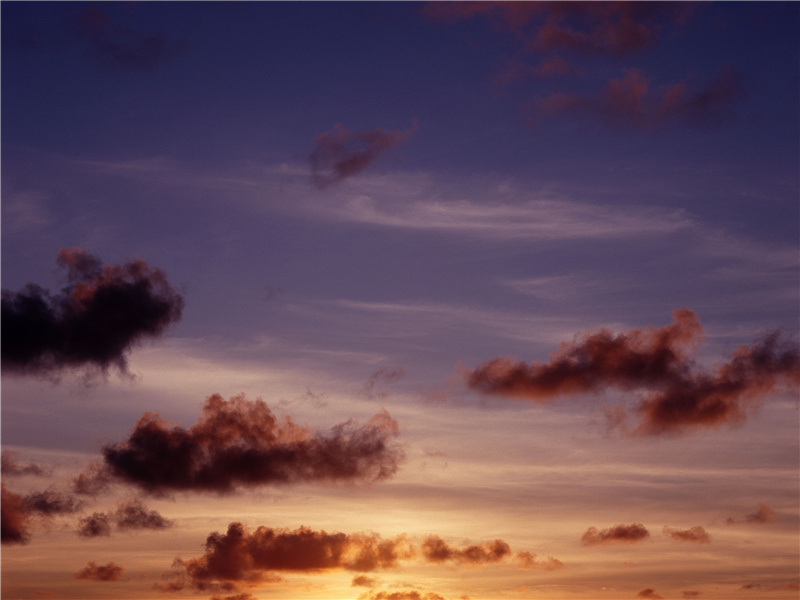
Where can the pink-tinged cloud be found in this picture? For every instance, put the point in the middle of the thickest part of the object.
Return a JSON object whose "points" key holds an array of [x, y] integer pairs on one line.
{"points": [[631, 101], [436, 550], [123, 48], [14, 517], [18, 511], [241, 443], [636, 532], [51, 502], [694, 534], [649, 593], [242, 557], [528, 560], [657, 362], [764, 514], [341, 153], [11, 467], [94, 572], [104, 311]]}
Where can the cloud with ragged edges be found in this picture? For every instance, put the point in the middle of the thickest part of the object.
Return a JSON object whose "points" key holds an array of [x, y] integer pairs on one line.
{"points": [[626, 534], [94, 572], [373, 387], [401, 595], [696, 534], [121, 47], [129, 515], [649, 594], [11, 467], [764, 514], [656, 362], [241, 443], [94, 322], [436, 550], [341, 153], [18, 511]]}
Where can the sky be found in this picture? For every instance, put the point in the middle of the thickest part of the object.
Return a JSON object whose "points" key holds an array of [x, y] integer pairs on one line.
{"points": [[400, 301]]}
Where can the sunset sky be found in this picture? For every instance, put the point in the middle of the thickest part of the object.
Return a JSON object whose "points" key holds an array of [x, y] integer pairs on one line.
{"points": [[400, 301]]}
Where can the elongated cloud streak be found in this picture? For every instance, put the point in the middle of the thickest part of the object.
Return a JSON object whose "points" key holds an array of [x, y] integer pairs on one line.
{"points": [[436, 550], [341, 153], [635, 532], [11, 466], [656, 361], [238, 442], [94, 572], [694, 534], [95, 321]]}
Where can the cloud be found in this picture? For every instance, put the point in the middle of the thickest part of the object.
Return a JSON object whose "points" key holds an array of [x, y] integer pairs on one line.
{"points": [[404, 595], [764, 514], [691, 594], [363, 581], [131, 514], [657, 362], [436, 550], [341, 153], [123, 48], [528, 560], [238, 442], [649, 593], [103, 312], [694, 534], [372, 387], [12, 468], [636, 532], [631, 101], [243, 557], [94, 572], [51, 502], [13, 517]]}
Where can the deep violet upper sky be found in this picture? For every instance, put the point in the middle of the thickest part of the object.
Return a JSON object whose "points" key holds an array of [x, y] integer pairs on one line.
{"points": [[392, 215]]}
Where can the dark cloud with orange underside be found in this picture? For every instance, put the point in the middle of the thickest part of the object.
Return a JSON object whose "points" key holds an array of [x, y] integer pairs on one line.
{"points": [[341, 153], [103, 312], [241, 443], [657, 362], [636, 532]]}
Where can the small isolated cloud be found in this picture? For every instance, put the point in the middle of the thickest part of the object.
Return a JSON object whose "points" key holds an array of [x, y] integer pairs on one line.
{"points": [[658, 362], [649, 593], [694, 534], [635, 532], [341, 153], [373, 387], [129, 515], [764, 514], [632, 101], [94, 572], [528, 560], [95, 525], [244, 557], [436, 550], [363, 581], [51, 502], [122, 47], [11, 467], [104, 311], [239, 442]]}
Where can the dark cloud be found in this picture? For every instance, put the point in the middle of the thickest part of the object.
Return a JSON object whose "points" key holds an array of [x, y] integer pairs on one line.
{"points": [[528, 560], [238, 442], [764, 514], [13, 517], [243, 557], [341, 153], [657, 362], [96, 525], [436, 550], [649, 593], [103, 312], [636, 532], [363, 581], [11, 466], [372, 389], [693, 534], [51, 502], [93, 481], [122, 47], [631, 101], [94, 572], [244, 596]]}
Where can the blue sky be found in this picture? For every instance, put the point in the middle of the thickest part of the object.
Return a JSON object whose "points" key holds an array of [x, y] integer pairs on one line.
{"points": [[362, 203]]}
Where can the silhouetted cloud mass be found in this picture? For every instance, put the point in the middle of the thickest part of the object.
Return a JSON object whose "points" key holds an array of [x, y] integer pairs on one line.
{"points": [[51, 502], [764, 514], [693, 534], [247, 557], [17, 511], [436, 550], [131, 514], [103, 312], [95, 525], [341, 153], [655, 361], [635, 532], [94, 572], [124, 48], [13, 517], [238, 442]]}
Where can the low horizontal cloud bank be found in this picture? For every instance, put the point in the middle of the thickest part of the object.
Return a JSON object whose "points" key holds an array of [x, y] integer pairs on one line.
{"points": [[401, 595], [18, 511], [635, 532], [764, 514], [129, 515], [94, 572], [94, 321], [341, 153], [656, 361], [11, 467], [694, 534], [241, 443]]}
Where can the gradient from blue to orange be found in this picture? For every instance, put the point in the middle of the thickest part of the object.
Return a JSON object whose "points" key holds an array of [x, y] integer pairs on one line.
{"points": [[361, 204]]}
